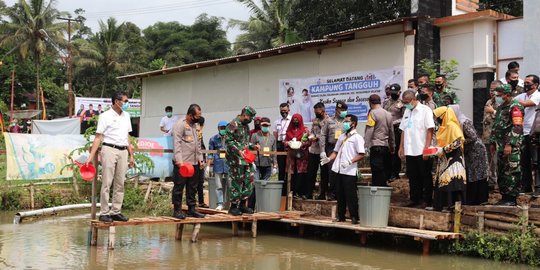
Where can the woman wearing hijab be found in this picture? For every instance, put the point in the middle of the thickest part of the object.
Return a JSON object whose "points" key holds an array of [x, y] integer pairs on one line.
{"points": [[297, 159], [450, 176], [476, 161]]}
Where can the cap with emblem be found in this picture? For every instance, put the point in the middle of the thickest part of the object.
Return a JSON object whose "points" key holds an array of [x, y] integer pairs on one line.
{"points": [[395, 88], [341, 105], [504, 89], [249, 111]]}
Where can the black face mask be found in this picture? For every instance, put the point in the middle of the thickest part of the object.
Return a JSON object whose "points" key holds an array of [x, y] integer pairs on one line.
{"points": [[295, 124], [246, 121], [527, 87], [284, 114], [195, 120], [394, 96], [258, 126], [319, 115], [439, 86], [423, 96], [513, 83]]}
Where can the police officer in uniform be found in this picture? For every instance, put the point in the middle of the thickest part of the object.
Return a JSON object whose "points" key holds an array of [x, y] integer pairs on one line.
{"points": [[395, 107], [506, 140]]}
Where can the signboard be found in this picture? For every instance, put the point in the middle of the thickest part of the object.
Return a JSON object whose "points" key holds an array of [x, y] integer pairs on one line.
{"points": [[134, 109]]}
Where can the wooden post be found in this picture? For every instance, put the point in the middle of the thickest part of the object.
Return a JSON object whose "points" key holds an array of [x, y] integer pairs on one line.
{"points": [[148, 190], [32, 196], [195, 233], [363, 238], [481, 222], [94, 188], [457, 217], [301, 230], [425, 247], [289, 194], [254, 228], [421, 226], [112, 233], [93, 239], [179, 231], [235, 228], [525, 214], [334, 212], [75, 186]]}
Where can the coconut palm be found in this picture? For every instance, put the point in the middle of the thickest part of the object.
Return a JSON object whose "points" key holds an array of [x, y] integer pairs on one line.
{"points": [[28, 22], [103, 50]]}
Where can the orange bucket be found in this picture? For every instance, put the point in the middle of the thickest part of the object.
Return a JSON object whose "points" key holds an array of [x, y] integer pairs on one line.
{"points": [[87, 171], [248, 156], [187, 170]]}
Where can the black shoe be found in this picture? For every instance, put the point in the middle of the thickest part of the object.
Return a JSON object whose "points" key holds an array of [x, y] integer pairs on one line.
{"points": [[412, 204], [340, 219], [233, 210], [536, 193], [330, 198], [203, 205], [192, 212], [303, 197], [354, 220], [119, 217], [246, 210], [321, 197], [105, 218], [179, 214], [506, 203]]}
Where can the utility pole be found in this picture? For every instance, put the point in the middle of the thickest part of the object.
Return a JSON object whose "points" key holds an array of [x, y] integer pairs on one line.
{"points": [[70, 67]]}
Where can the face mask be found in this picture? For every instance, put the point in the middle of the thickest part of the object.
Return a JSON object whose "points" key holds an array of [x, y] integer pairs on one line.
{"points": [[513, 83], [343, 114], [194, 120], [423, 96], [125, 106], [409, 106], [295, 124], [222, 132], [319, 115], [284, 114], [527, 87], [439, 86], [169, 114], [257, 126], [265, 129], [246, 121], [347, 126], [394, 96], [499, 100]]}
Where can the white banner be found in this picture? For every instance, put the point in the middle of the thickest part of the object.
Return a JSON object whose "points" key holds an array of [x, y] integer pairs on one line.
{"points": [[353, 88], [134, 109]]}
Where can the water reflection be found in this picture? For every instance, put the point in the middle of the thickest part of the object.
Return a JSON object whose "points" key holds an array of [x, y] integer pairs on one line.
{"points": [[61, 243]]}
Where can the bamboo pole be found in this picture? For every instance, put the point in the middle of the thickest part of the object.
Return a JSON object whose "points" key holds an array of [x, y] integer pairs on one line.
{"points": [[148, 190], [481, 222], [31, 196], [457, 217], [525, 215], [75, 186], [94, 188]]}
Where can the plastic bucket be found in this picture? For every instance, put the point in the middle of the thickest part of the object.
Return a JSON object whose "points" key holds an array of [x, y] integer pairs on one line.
{"points": [[374, 205], [249, 157], [87, 171], [187, 170], [268, 195]]}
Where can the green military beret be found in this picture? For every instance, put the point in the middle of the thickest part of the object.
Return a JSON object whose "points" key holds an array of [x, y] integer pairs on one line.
{"points": [[250, 111], [504, 89]]}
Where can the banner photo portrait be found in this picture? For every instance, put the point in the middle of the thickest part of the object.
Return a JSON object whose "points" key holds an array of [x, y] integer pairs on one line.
{"points": [[353, 88], [134, 109], [162, 161], [39, 156]]}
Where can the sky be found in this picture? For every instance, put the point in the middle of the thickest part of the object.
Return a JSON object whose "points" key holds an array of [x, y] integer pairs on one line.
{"points": [[145, 13]]}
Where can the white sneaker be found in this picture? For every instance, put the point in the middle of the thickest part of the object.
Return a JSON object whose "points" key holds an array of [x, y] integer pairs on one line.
{"points": [[219, 207]]}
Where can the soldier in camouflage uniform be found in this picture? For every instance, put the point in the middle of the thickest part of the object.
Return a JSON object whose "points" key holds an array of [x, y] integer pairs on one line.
{"points": [[506, 139], [443, 96], [489, 119], [241, 173]]}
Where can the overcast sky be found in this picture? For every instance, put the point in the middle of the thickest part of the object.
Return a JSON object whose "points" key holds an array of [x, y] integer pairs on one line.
{"points": [[145, 13]]}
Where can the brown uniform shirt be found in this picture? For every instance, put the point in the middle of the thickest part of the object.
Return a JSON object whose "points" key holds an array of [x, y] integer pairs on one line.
{"points": [[379, 129], [330, 132], [316, 129], [395, 108], [187, 146]]}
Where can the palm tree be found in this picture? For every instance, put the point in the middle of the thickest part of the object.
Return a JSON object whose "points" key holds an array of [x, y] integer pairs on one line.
{"points": [[267, 27], [103, 50], [28, 21]]}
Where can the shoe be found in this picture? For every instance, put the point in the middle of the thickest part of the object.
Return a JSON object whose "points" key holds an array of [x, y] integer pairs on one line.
{"points": [[179, 214], [119, 217], [233, 210], [321, 197], [354, 220], [340, 220], [536, 193], [525, 190], [412, 204], [105, 218], [192, 212], [330, 198], [245, 210], [505, 203], [303, 197], [219, 207], [203, 205]]}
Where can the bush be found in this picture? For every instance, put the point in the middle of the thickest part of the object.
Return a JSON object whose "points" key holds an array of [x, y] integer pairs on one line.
{"points": [[11, 199], [133, 198]]}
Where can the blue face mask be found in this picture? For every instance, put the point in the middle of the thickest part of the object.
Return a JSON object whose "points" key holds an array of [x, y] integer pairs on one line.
{"points": [[347, 126], [125, 106], [343, 114], [409, 106]]}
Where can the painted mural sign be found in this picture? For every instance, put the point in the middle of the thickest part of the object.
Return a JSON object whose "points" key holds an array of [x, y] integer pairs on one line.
{"points": [[39, 156], [353, 88], [162, 161], [134, 108]]}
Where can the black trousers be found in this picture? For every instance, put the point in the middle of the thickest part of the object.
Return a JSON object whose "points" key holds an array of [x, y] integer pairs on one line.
{"points": [[347, 195], [420, 179], [282, 165], [313, 166], [396, 161], [379, 158], [526, 164], [536, 165], [191, 187], [328, 177], [200, 188]]}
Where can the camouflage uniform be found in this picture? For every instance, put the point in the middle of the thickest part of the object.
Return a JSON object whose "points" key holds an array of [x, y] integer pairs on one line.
{"points": [[508, 131], [516, 91], [438, 97], [241, 173], [487, 122]]}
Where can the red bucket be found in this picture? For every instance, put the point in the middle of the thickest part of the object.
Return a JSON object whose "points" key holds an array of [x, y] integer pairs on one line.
{"points": [[87, 171], [187, 170], [248, 156]]}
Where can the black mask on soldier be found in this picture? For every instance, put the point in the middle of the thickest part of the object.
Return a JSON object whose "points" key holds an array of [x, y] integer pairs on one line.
{"points": [[284, 114], [513, 83], [439, 86], [394, 96], [319, 115], [423, 96]]}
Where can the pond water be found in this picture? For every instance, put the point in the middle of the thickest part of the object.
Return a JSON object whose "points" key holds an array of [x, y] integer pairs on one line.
{"points": [[62, 243]]}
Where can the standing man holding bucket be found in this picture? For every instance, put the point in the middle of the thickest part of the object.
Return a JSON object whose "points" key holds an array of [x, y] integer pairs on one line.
{"points": [[113, 129]]}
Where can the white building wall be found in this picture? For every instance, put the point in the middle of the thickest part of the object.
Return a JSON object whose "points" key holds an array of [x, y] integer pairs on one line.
{"points": [[531, 21], [223, 90]]}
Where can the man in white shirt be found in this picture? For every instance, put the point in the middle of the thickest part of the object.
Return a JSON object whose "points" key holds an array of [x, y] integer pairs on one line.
{"points": [[348, 151], [167, 122], [417, 133], [113, 129], [280, 130], [513, 67], [529, 99]]}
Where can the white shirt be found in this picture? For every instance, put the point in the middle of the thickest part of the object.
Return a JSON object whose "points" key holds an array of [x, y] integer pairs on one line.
{"points": [[530, 112], [353, 145], [415, 125], [168, 124], [521, 82], [281, 125], [114, 127]]}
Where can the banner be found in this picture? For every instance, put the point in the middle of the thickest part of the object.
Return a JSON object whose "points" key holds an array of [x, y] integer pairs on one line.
{"points": [[134, 109], [162, 161], [353, 88], [39, 156], [57, 126]]}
